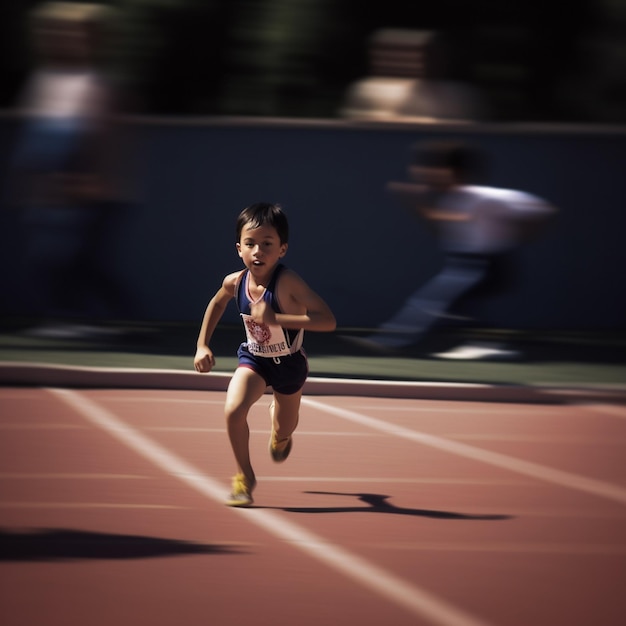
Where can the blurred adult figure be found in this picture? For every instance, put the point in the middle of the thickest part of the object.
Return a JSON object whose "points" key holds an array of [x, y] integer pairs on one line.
{"points": [[61, 171], [409, 82], [478, 228]]}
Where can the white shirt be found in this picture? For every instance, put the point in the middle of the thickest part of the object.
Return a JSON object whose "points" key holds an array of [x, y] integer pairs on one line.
{"points": [[490, 220]]}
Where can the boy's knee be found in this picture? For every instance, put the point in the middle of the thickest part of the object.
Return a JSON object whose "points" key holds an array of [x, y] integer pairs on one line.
{"points": [[235, 414]]}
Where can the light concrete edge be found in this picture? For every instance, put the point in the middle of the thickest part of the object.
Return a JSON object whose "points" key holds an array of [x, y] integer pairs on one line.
{"points": [[53, 375]]}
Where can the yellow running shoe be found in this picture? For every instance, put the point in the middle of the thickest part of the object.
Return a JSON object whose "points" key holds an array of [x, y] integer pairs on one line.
{"points": [[241, 494], [279, 450]]}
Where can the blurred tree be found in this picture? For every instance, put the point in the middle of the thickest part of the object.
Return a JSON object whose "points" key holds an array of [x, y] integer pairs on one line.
{"points": [[295, 58], [15, 51], [280, 52], [171, 52], [597, 92]]}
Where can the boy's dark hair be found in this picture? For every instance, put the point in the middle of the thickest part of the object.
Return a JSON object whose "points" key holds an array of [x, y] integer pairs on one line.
{"points": [[261, 214], [467, 161]]}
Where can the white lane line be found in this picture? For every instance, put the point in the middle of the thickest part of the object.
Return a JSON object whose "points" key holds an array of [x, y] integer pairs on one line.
{"points": [[395, 480], [589, 549], [421, 406], [83, 505], [541, 472], [187, 429], [74, 476], [259, 431], [560, 440], [153, 400], [536, 439], [22, 426], [413, 598]]}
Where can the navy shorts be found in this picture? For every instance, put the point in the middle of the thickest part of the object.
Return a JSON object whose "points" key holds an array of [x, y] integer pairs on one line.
{"points": [[287, 376]]}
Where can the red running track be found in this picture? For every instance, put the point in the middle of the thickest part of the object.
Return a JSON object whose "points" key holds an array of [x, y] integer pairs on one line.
{"points": [[402, 512]]}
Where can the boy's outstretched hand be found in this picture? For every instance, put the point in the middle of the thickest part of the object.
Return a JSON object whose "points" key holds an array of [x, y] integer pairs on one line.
{"points": [[262, 313], [204, 360]]}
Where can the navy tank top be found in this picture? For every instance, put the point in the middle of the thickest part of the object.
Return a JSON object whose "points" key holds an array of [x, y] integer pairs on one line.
{"points": [[264, 340]]}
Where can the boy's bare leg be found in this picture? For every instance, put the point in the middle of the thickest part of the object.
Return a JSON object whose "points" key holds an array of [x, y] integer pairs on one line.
{"points": [[285, 413], [245, 388]]}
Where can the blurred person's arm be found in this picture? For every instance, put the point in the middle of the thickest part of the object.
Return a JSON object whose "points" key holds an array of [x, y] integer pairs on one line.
{"points": [[533, 217], [530, 213], [416, 199]]}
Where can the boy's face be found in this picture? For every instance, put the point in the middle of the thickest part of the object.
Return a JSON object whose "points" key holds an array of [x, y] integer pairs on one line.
{"points": [[260, 248]]}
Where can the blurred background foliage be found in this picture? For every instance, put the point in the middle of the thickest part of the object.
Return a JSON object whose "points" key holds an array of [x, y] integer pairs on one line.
{"points": [[534, 61]]}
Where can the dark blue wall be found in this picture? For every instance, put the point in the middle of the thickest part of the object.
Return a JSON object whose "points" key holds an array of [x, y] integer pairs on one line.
{"points": [[350, 239]]}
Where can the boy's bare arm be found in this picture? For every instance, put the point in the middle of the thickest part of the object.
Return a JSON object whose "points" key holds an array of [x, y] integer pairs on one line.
{"points": [[302, 307], [204, 359]]}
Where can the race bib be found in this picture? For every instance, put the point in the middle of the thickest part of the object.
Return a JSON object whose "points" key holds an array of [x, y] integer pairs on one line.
{"points": [[265, 340]]}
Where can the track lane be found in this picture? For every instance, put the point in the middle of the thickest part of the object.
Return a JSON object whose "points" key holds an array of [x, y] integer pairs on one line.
{"points": [[455, 527]]}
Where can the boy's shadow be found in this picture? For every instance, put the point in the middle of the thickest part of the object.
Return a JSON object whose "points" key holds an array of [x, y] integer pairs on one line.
{"points": [[377, 503]]}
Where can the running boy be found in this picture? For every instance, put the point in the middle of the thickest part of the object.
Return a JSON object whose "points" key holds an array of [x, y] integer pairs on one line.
{"points": [[276, 306]]}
